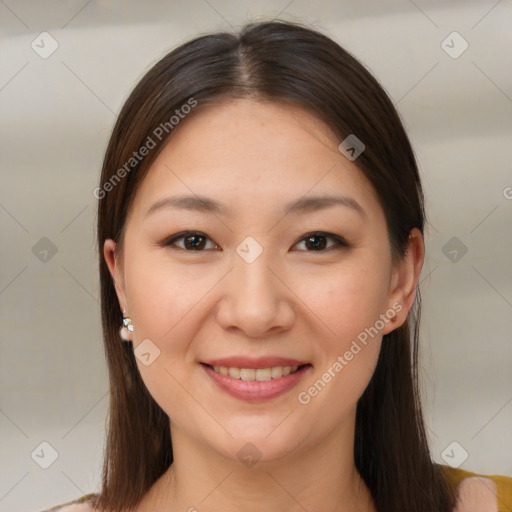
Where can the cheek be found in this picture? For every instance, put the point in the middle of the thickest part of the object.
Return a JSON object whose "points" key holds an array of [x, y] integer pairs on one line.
{"points": [[168, 303], [347, 356], [163, 297], [347, 300], [332, 394], [162, 309], [349, 308]]}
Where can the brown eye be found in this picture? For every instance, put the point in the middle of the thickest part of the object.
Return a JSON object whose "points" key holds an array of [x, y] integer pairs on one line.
{"points": [[317, 242], [193, 241]]}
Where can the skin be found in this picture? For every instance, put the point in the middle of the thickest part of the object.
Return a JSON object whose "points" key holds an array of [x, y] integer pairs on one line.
{"points": [[291, 301]]}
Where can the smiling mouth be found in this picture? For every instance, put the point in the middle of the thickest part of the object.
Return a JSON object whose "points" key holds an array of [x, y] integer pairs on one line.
{"points": [[256, 374]]}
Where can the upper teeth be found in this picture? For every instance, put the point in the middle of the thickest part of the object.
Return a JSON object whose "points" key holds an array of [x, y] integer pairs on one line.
{"points": [[259, 374]]}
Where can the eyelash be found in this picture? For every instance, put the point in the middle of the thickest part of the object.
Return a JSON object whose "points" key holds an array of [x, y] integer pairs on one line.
{"points": [[340, 242]]}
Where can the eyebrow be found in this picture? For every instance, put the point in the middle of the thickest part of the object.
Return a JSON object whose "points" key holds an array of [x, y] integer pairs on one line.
{"points": [[300, 206]]}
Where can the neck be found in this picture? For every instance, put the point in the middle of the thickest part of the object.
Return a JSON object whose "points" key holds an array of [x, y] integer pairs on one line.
{"points": [[322, 478]]}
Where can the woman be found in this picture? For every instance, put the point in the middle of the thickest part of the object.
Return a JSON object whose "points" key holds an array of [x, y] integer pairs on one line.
{"points": [[260, 226]]}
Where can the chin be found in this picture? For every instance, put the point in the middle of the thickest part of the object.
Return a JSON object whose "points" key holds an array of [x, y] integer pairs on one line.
{"points": [[263, 442], [261, 452]]}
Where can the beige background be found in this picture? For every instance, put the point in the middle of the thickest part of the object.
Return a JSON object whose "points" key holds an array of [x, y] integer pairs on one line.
{"points": [[56, 116]]}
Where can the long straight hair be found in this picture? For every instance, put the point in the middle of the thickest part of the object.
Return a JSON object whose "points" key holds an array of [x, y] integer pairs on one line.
{"points": [[282, 62]]}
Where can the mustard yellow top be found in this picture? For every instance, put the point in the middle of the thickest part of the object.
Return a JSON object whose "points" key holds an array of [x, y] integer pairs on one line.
{"points": [[452, 475]]}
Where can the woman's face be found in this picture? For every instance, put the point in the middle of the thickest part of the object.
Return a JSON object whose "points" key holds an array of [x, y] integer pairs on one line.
{"points": [[257, 279]]}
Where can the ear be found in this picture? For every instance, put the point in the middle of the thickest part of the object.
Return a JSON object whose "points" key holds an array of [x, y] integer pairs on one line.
{"points": [[116, 271], [404, 280]]}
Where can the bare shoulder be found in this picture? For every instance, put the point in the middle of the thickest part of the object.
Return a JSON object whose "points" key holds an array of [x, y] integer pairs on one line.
{"points": [[477, 494], [77, 507], [81, 505]]}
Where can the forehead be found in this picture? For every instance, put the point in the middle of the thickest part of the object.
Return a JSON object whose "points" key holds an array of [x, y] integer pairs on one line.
{"points": [[247, 127], [244, 152]]}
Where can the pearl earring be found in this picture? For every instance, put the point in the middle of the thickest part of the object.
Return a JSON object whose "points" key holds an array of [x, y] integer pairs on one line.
{"points": [[127, 327]]}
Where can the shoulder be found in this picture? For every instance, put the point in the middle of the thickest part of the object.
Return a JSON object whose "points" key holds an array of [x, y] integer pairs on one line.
{"points": [[83, 504], [76, 507], [478, 492]]}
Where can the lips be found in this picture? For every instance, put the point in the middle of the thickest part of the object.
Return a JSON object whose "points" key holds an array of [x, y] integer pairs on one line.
{"points": [[248, 379]]}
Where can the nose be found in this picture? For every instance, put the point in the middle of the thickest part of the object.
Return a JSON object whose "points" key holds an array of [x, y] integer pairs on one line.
{"points": [[256, 299]]}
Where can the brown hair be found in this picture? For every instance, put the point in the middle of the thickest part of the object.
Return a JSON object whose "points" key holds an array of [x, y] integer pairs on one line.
{"points": [[271, 61]]}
